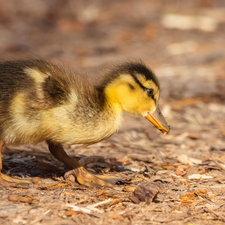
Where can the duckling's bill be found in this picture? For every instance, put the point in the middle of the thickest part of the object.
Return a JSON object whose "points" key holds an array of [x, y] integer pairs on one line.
{"points": [[157, 119]]}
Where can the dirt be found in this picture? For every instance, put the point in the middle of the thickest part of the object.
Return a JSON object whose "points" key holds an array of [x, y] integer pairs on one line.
{"points": [[164, 179]]}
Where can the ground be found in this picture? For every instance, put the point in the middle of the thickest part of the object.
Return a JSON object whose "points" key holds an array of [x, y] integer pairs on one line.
{"points": [[173, 179]]}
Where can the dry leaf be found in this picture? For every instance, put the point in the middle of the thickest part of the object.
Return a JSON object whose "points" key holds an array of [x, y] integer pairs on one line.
{"points": [[180, 170], [26, 199]]}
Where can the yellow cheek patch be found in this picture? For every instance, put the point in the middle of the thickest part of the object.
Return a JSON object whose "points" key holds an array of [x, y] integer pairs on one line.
{"points": [[132, 100], [118, 91]]}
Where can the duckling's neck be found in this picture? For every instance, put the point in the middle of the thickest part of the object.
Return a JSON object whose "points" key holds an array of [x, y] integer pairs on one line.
{"points": [[109, 100]]}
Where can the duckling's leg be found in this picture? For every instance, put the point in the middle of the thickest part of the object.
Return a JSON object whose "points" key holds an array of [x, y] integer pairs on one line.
{"points": [[4, 179], [81, 174]]}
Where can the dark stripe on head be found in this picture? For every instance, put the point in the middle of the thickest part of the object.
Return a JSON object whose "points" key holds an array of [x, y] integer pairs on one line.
{"points": [[138, 82], [131, 68], [141, 68]]}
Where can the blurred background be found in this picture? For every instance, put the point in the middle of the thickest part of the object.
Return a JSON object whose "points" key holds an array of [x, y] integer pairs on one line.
{"points": [[182, 41]]}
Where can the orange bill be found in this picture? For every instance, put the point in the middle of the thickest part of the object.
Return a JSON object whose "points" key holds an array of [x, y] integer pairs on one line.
{"points": [[157, 119]]}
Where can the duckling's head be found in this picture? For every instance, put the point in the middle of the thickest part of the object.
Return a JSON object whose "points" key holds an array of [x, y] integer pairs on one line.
{"points": [[133, 88]]}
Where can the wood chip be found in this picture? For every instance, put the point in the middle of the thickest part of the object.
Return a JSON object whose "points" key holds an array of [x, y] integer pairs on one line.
{"points": [[144, 158], [188, 160], [146, 192], [129, 188], [26, 199]]}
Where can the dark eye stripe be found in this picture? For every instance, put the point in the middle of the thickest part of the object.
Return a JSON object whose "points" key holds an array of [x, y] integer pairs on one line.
{"points": [[144, 88]]}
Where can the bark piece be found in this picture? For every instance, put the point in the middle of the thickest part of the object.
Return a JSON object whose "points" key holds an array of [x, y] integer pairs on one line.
{"points": [[146, 192]]}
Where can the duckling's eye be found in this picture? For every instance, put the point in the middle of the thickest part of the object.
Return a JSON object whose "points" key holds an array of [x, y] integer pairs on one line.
{"points": [[131, 86], [150, 92]]}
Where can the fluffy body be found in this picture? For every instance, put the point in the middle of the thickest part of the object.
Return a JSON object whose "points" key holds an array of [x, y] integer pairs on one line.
{"points": [[40, 101]]}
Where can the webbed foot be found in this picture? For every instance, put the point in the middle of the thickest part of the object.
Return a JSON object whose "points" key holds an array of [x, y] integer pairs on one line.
{"points": [[85, 178], [78, 171], [8, 181]]}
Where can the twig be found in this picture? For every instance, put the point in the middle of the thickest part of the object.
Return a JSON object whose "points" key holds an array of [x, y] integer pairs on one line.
{"points": [[221, 217], [84, 210], [99, 203], [90, 208]]}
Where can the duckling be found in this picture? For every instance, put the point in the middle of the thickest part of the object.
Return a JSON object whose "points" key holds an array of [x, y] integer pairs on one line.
{"points": [[40, 101]]}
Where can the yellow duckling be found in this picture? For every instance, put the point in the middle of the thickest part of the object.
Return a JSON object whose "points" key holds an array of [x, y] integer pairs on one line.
{"points": [[40, 101]]}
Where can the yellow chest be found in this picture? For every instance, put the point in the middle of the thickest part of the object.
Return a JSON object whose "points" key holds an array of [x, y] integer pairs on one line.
{"points": [[81, 129]]}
